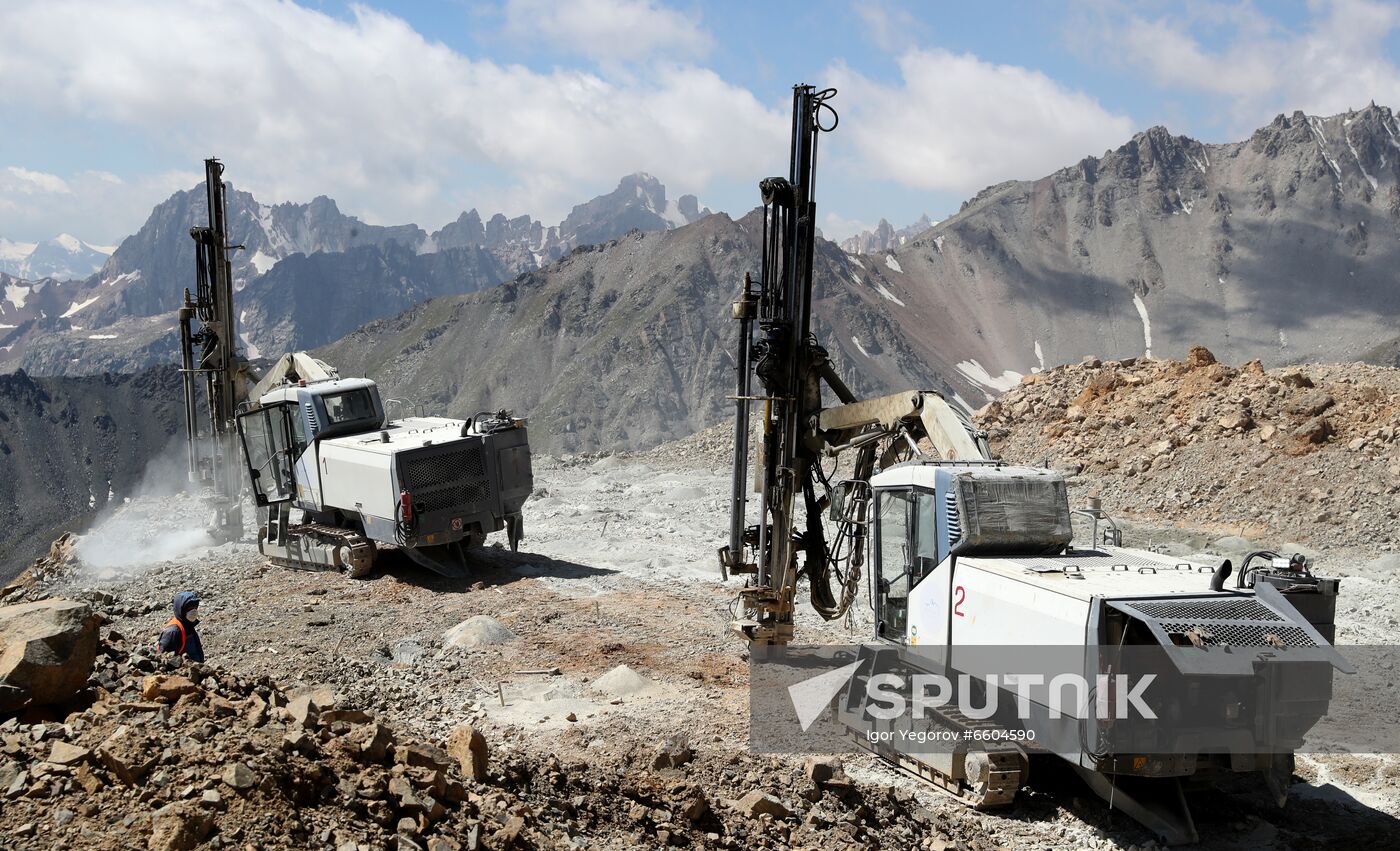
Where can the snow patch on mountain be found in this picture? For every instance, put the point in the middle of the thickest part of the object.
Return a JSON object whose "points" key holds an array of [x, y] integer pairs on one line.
{"points": [[884, 291], [1146, 324], [16, 295], [262, 262], [77, 306], [978, 374], [673, 215]]}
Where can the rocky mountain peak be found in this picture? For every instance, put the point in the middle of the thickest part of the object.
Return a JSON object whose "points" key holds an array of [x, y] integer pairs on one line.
{"points": [[885, 237], [65, 257], [1155, 153], [648, 191], [1359, 147]]}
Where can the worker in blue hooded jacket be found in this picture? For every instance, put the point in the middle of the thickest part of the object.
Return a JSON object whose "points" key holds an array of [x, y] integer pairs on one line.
{"points": [[180, 635]]}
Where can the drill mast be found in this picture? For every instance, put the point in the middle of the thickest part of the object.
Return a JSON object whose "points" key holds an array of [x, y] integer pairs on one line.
{"points": [[209, 359], [796, 431]]}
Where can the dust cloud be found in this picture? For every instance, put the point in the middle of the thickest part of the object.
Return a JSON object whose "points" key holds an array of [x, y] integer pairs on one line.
{"points": [[163, 519]]}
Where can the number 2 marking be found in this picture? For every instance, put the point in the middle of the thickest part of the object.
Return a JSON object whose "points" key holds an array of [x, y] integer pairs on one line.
{"points": [[961, 594]]}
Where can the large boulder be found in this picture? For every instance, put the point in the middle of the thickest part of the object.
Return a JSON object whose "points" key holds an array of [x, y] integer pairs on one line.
{"points": [[46, 652]]}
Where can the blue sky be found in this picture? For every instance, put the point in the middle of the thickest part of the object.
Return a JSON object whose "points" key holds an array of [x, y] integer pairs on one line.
{"points": [[415, 111]]}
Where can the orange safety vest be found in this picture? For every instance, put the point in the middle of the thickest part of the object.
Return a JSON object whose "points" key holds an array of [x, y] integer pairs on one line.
{"points": [[184, 638]]}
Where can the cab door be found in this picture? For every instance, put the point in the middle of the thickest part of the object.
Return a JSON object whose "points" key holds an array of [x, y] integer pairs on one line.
{"points": [[906, 551], [267, 448]]}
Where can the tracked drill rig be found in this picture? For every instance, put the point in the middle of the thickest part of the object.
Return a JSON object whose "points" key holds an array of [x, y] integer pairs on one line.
{"points": [[794, 372], [321, 446], [965, 553]]}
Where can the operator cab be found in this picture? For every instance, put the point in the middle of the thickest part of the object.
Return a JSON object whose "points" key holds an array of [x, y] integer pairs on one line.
{"points": [[290, 419], [926, 511]]}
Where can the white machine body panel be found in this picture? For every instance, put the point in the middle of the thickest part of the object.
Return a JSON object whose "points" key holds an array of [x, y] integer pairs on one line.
{"points": [[1033, 600], [985, 607], [357, 471]]}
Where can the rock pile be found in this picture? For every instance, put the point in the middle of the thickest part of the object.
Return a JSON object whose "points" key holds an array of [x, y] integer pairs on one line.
{"points": [[1306, 453], [169, 756]]}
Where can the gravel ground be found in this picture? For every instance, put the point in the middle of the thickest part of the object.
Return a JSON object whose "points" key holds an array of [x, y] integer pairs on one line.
{"points": [[618, 568]]}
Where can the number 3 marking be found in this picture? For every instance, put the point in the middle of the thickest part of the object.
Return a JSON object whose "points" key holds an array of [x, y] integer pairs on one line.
{"points": [[961, 594]]}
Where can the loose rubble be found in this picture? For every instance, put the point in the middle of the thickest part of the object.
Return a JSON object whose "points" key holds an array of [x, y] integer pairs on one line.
{"points": [[1307, 454], [167, 755]]}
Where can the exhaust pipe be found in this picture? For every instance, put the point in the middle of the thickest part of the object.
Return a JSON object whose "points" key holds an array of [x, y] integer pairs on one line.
{"points": [[1222, 573]]}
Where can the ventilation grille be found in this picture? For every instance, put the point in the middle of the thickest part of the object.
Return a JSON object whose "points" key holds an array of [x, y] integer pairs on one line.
{"points": [[1093, 560], [1211, 610], [1241, 634], [311, 417], [1232, 622], [447, 480]]}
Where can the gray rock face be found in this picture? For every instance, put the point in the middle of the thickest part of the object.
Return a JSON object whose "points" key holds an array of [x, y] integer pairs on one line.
{"points": [[150, 270], [639, 202], [121, 318], [1255, 249], [308, 301], [31, 308], [68, 445], [1281, 247], [622, 345]]}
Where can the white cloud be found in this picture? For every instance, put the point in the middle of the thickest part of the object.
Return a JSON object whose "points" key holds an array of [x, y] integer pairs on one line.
{"points": [[957, 123], [608, 29], [837, 228], [96, 206], [22, 181], [1338, 60], [890, 28], [300, 103]]}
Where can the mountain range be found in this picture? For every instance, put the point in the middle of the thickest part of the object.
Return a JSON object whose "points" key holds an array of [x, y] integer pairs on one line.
{"points": [[1280, 247], [121, 318], [64, 257], [885, 237]]}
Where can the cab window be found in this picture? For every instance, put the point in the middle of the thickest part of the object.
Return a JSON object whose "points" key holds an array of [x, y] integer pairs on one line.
{"points": [[906, 541], [266, 435], [894, 561], [347, 407]]}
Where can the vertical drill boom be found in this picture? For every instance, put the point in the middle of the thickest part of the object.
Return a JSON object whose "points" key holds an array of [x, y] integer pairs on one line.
{"points": [[209, 359]]}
